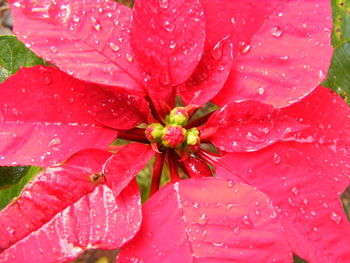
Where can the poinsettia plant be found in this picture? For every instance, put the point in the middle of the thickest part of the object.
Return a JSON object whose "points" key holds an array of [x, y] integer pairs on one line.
{"points": [[255, 179]]}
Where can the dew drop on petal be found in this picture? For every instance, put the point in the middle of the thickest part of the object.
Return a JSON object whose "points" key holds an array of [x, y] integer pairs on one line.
{"points": [[203, 219], [168, 26], [76, 19], [261, 90], [217, 244], [335, 217], [114, 47], [129, 57], [244, 47], [216, 51], [97, 27], [276, 31], [164, 4], [172, 45], [276, 158], [46, 78], [246, 220], [53, 49]]}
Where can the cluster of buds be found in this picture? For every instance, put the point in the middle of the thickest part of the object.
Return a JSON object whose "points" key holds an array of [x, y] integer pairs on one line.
{"points": [[173, 134]]}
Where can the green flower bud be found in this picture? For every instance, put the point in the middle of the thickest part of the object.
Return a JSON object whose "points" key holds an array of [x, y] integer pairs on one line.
{"points": [[154, 132], [192, 136], [178, 116]]}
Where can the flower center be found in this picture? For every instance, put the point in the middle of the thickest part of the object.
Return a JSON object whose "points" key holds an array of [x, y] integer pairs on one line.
{"points": [[173, 134]]}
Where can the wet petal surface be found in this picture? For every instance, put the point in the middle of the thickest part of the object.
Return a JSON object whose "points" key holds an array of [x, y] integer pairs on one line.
{"points": [[208, 220]]}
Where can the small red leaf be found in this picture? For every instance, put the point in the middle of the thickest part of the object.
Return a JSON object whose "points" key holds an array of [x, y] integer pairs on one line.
{"points": [[281, 62], [207, 220], [122, 167], [168, 39], [210, 74], [67, 209], [248, 126], [89, 41]]}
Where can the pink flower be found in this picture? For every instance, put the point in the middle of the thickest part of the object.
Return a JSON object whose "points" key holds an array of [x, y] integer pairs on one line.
{"points": [[253, 58]]}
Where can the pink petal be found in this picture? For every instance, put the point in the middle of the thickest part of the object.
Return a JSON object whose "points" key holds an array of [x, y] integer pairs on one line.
{"points": [[239, 18], [126, 163], [64, 211], [282, 63], [43, 121], [168, 38], [209, 76], [89, 41], [185, 222], [299, 179], [248, 126]]}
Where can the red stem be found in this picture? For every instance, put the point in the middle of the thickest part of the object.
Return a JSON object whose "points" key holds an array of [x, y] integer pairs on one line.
{"points": [[172, 167], [180, 163], [157, 173]]}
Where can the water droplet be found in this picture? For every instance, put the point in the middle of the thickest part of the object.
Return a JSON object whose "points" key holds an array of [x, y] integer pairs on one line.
{"points": [[53, 49], [172, 45], [336, 218], [246, 220], [261, 91], [216, 51], [203, 219], [244, 47], [164, 4], [216, 244], [55, 143], [114, 47], [276, 158], [291, 202], [46, 78], [76, 19], [168, 26], [195, 205], [229, 206], [276, 31], [266, 130], [230, 183], [313, 213], [253, 138], [97, 27], [17, 4], [129, 57], [15, 112]]}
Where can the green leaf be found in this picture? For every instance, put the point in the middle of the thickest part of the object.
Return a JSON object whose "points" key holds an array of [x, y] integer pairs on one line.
{"points": [[13, 55], [11, 175], [338, 77], [298, 259], [7, 194]]}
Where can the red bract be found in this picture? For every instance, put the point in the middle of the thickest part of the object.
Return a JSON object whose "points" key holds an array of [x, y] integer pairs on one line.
{"points": [[129, 65]]}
